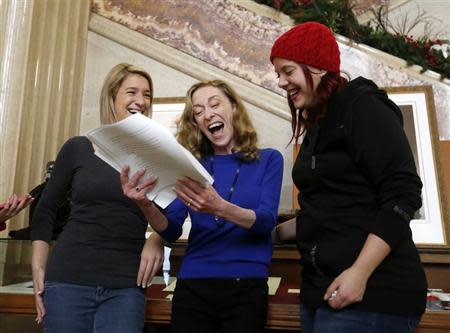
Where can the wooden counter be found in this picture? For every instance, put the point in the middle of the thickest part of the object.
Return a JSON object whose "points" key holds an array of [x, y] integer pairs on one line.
{"points": [[283, 311], [281, 317]]}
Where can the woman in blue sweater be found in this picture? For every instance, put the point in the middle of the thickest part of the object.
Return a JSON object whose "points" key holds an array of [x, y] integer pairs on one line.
{"points": [[222, 282]]}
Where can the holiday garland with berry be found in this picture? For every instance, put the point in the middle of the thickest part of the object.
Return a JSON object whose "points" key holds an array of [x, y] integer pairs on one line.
{"points": [[338, 15]]}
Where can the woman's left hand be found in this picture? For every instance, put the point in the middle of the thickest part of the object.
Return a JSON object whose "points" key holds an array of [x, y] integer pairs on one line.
{"points": [[198, 197], [152, 257], [346, 289]]}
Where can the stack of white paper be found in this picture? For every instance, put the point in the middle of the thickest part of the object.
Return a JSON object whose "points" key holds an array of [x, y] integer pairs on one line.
{"points": [[142, 143]]}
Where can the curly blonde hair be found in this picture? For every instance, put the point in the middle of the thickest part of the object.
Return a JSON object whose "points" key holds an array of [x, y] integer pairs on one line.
{"points": [[191, 137], [111, 86]]}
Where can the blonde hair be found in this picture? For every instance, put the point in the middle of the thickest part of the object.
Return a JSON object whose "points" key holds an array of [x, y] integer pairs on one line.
{"points": [[191, 137], [111, 86]]}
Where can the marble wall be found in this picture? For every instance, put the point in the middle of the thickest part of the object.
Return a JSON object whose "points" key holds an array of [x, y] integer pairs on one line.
{"points": [[235, 39], [218, 32]]}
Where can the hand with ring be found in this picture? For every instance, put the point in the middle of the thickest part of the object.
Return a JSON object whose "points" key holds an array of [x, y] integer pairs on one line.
{"points": [[199, 197], [333, 295], [347, 288], [135, 187]]}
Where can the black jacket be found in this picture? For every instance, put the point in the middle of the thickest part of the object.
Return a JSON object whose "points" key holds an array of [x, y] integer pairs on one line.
{"points": [[356, 175]]}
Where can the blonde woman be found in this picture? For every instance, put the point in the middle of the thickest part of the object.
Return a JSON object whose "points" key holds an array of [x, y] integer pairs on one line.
{"points": [[96, 277]]}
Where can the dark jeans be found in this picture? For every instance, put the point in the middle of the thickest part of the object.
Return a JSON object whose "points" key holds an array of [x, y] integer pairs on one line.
{"points": [[327, 320], [219, 305], [72, 308]]}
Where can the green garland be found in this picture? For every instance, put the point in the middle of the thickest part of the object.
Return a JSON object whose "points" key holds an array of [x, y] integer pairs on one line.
{"points": [[338, 16]]}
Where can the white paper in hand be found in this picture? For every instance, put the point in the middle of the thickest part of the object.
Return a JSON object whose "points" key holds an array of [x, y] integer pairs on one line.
{"points": [[142, 143]]}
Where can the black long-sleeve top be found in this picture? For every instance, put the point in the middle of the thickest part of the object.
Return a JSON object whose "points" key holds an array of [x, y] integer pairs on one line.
{"points": [[356, 175], [105, 232]]}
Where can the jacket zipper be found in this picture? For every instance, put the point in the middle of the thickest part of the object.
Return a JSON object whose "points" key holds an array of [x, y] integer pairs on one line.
{"points": [[314, 261]]}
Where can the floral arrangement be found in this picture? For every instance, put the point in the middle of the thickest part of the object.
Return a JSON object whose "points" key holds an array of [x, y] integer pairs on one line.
{"points": [[338, 15]]}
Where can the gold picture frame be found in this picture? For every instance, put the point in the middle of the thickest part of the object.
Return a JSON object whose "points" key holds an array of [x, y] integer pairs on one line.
{"points": [[431, 225]]}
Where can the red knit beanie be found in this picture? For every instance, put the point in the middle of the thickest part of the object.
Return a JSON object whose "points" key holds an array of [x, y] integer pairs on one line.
{"points": [[308, 43]]}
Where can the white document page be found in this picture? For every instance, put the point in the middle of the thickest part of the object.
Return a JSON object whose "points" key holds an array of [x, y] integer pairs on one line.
{"points": [[142, 143]]}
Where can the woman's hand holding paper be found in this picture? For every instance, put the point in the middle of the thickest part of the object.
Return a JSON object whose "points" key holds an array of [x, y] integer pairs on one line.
{"points": [[199, 197], [135, 191]]}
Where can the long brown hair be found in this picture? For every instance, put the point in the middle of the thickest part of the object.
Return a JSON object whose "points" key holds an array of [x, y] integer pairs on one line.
{"points": [[329, 83], [191, 137]]}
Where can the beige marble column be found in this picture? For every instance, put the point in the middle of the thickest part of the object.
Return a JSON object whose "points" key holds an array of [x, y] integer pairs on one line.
{"points": [[15, 25], [55, 70], [53, 89], [15, 29], [47, 100]]}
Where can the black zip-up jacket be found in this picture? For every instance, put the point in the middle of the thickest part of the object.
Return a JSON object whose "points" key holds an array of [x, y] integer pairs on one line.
{"points": [[356, 175]]}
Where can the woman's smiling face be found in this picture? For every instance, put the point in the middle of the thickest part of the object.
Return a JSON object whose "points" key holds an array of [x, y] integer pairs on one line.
{"points": [[132, 97], [292, 79], [213, 113]]}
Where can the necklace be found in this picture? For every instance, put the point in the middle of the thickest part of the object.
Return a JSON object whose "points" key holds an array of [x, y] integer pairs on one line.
{"points": [[219, 221]]}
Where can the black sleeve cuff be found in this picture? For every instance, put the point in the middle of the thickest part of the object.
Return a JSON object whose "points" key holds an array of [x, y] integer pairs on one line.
{"points": [[392, 225]]}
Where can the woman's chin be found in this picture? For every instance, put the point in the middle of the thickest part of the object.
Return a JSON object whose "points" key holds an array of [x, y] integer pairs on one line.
{"points": [[299, 105]]}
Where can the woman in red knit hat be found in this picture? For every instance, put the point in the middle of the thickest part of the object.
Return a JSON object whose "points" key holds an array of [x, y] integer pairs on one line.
{"points": [[359, 189]]}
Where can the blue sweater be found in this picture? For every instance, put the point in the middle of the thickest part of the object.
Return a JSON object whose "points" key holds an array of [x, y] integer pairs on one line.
{"points": [[230, 251]]}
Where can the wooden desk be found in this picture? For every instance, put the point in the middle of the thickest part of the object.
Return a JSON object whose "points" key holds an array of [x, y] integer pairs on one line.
{"points": [[281, 317]]}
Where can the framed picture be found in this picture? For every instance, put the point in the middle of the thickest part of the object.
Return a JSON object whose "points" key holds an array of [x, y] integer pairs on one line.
{"points": [[167, 111], [430, 226]]}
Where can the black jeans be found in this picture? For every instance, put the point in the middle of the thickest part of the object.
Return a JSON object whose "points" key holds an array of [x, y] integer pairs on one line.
{"points": [[219, 305]]}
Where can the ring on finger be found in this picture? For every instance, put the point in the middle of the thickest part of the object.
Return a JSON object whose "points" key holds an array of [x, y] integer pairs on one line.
{"points": [[333, 295], [138, 188], [189, 202]]}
